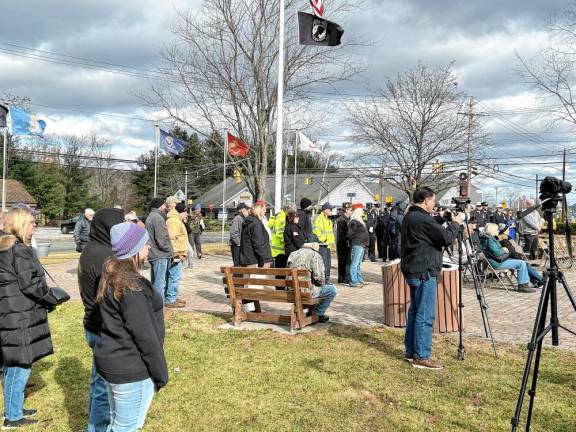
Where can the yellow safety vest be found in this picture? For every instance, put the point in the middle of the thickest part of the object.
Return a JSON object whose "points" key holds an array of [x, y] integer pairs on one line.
{"points": [[277, 224], [324, 230]]}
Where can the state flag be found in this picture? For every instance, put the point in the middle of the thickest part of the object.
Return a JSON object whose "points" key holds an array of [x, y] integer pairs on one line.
{"points": [[306, 145], [236, 147], [24, 123], [171, 144], [318, 31]]}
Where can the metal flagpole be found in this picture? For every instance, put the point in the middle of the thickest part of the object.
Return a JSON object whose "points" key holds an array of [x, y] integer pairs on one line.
{"points": [[323, 177], [4, 165], [156, 146], [186, 185], [296, 142], [280, 111], [224, 212]]}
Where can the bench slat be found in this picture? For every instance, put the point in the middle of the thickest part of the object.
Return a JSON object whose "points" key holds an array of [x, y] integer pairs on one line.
{"points": [[272, 295], [264, 271], [267, 282]]}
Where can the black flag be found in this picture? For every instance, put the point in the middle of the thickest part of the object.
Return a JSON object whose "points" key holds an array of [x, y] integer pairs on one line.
{"points": [[318, 31], [3, 113]]}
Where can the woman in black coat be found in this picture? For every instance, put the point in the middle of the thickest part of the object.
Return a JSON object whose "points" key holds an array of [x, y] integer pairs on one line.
{"points": [[254, 240], [294, 236], [24, 302]]}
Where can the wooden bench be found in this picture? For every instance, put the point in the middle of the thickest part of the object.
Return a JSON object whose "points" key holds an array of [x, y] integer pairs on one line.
{"points": [[245, 285]]}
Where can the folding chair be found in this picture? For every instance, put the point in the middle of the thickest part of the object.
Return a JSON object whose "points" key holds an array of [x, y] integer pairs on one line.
{"points": [[500, 274]]}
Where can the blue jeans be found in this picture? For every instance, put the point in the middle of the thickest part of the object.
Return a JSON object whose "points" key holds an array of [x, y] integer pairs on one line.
{"points": [[174, 278], [518, 265], [327, 294], [15, 379], [533, 274], [421, 315], [129, 405], [98, 407], [355, 274], [159, 275]]}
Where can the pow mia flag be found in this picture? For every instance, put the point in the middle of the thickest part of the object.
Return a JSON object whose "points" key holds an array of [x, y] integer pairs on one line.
{"points": [[318, 31]]}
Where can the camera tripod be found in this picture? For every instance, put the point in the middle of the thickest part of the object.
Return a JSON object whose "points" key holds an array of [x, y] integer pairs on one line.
{"points": [[473, 265], [549, 295]]}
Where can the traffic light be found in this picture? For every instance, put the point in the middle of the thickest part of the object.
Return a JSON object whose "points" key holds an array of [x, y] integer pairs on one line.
{"points": [[376, 197], [237, 176], [438, 167], [308, 181]]}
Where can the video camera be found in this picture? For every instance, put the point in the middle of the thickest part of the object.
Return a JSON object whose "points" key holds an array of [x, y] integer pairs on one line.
{"points": [[550, 190]]}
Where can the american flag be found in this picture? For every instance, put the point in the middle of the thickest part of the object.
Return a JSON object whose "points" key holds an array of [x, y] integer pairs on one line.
{"points": [[318, 7]]}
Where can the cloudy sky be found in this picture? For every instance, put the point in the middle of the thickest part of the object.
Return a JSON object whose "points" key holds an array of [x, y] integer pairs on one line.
{"points": [[481, 37]]}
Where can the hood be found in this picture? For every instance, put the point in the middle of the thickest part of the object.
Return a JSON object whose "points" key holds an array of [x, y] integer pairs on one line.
{"points": [[103, 220], [251, 219], [173, 214]]}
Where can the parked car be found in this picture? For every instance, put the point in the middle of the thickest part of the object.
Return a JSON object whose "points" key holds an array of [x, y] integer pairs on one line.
{"points": [[67, 226]]}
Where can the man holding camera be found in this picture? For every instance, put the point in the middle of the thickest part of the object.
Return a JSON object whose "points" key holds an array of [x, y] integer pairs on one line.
{"points": [[423, 239]]}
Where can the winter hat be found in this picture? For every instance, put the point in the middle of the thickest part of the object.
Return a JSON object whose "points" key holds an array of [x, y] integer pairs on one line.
{"points": [[156, 203], [172, 200], [357, 206], [197, 207], [180, 207], [305, 203], [127, 239]]}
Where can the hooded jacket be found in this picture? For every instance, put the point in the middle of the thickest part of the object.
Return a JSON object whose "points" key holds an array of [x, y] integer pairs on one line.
{"points": [[254, 243], [294, 238], [177, 233], [160, 245], [358, 233], [96, 252], [24, 299]]}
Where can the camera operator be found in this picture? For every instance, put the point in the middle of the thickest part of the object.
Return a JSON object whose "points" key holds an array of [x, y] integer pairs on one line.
{"points": [[423, 239]]}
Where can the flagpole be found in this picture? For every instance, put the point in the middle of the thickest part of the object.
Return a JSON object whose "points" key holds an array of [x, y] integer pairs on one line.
{"points": [[156, 145], [4, 165], [224, 185], [323, 177], [280, 111], [295, 163]]}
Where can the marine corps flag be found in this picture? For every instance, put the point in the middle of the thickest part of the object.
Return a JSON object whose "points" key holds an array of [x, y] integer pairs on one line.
{"points": [[236, 147], [318, 31]]}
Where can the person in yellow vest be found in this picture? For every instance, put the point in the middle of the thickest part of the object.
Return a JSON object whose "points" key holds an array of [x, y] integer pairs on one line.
{"points": [[324, 231], [277, 224]]}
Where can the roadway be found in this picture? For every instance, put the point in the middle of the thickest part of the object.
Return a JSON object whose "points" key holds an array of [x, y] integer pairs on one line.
{"points": [[60, 243]]}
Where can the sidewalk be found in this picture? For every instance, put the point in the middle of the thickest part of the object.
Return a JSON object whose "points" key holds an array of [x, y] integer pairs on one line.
{"points": [[511, 314]]}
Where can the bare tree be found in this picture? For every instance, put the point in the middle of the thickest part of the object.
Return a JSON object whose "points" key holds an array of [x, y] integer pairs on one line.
{"points": [[413, 122], [553, 71], [104, 178], [222, 73]]}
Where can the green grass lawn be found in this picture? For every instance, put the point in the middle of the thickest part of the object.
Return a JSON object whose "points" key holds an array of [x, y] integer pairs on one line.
{"points": [[337, 379]]}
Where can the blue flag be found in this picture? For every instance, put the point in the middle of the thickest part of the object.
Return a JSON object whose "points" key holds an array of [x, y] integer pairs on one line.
{"points": [[171, 144], [24, 123]]}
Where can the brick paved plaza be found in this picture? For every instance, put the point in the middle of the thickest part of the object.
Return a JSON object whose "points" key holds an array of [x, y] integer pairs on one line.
{"points": [[511, 313]]}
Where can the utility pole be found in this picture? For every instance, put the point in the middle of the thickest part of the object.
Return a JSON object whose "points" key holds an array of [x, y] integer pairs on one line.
{"points": [[186, 185], [470, 114], [496, 188]]}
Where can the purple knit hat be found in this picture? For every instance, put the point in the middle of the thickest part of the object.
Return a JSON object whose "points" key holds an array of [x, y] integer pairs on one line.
{"points": [[127, 239]]}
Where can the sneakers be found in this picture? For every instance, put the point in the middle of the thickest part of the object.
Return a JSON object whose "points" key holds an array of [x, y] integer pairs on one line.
{"points": [[323, 318], [13, 424], [408, 358], [426, 364], [26, 412], [526, 288], [175, 305]]}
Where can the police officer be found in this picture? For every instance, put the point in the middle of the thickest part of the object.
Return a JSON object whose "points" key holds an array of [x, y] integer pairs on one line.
{"points": [[324, 231], [371, 222], [342, 244], [382, 233], [277, 224]]}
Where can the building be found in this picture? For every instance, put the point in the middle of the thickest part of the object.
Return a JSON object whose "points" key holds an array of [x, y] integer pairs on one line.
{"points": [[17, 193], [337, 187]]}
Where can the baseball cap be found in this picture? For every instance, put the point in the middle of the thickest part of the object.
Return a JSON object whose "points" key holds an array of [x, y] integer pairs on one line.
{"points": [[327, 206], [241, 206]]}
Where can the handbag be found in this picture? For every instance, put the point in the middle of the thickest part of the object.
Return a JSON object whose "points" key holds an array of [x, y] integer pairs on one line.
{"points": [[59, 293]]}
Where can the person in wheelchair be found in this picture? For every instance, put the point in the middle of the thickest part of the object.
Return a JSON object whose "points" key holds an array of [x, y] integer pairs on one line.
{"points": [[501, 258]]}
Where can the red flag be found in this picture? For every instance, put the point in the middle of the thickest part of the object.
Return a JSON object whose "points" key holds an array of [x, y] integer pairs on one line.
{"points": [[318, 7], [237, 147]]}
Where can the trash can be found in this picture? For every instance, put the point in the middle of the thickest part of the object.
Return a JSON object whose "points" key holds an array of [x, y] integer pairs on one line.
{"points": [[42, 249], [397, 297]]}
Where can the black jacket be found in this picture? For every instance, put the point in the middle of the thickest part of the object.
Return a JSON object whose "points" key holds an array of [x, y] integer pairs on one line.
{"points": [[497, 218], [306, 223], [93, 256], [82, 230], [423, 238], [131, 345], [342, 242], [254, 243], [294, 238], [24, 298], [358, 234], [371, 223]]}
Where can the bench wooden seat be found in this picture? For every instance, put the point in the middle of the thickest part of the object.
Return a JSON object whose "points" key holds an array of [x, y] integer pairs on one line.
{"points": [[245, 285]]}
